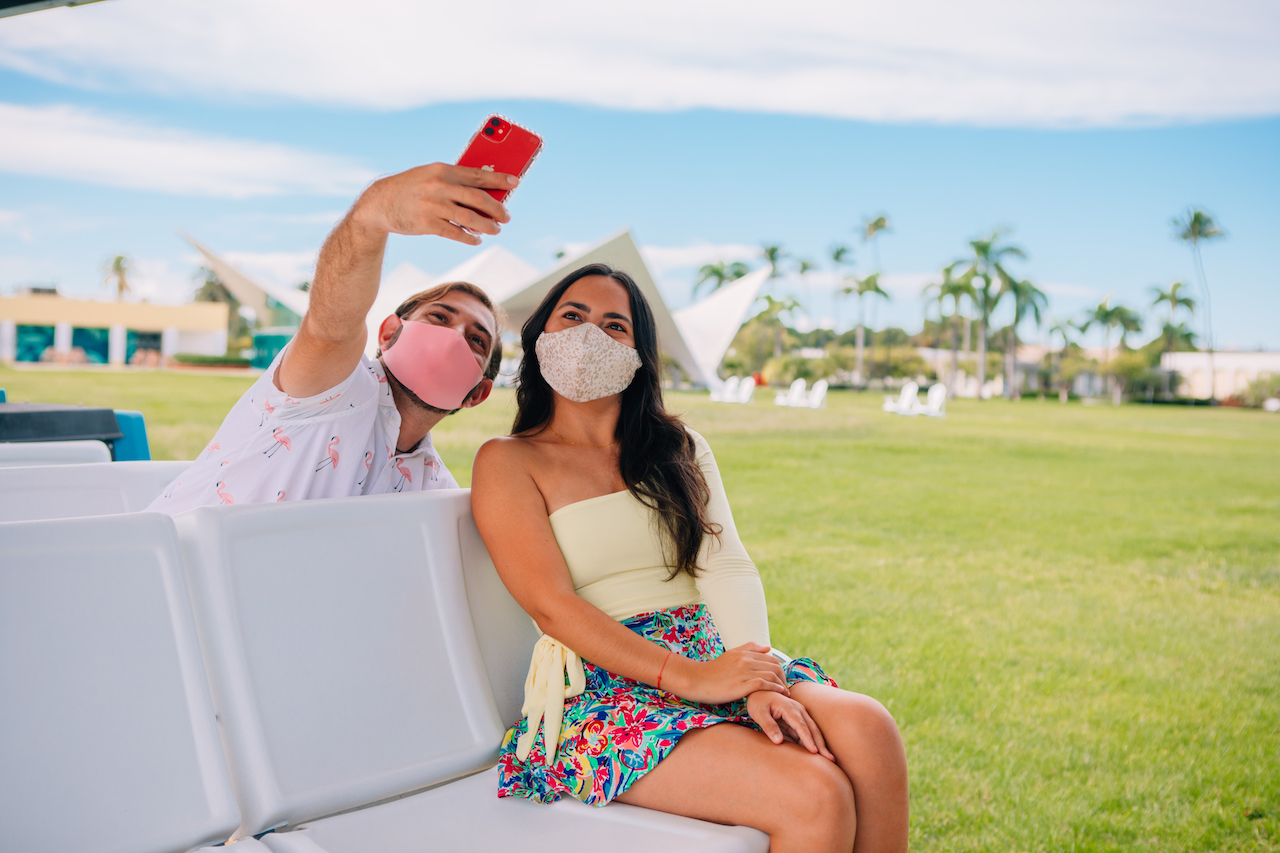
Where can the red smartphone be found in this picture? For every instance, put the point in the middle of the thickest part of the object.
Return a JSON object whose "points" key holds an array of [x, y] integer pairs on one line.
{"points": [[501, 145]]}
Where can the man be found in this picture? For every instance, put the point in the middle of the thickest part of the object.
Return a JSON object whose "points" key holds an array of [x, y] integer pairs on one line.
{"points": [[324, 420]]}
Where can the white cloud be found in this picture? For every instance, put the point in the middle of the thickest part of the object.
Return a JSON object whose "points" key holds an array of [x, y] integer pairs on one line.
{"points": [[994, 62], [11, 221], [156, 280], [77, 144], [284, 269], [663, 259], [1078, 290], [907, 285]]}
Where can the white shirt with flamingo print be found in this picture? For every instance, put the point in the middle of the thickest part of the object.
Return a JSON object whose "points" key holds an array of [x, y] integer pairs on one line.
{"points": [[339, 443]]}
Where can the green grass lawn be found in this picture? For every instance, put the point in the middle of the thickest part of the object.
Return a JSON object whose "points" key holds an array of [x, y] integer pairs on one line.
{"points": [[1073, 612]]}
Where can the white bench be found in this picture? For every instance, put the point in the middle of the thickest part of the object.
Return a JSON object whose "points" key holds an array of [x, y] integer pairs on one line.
{"points": [[74, 491], [361, 655], [363, 649], [14, 453], [107, 734]]}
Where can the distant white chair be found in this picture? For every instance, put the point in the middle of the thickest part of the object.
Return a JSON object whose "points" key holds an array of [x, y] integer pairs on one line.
{"points": [[817, 398], [794, 396], [728, 393], [747, 390], [906, 403], [935, 405]]}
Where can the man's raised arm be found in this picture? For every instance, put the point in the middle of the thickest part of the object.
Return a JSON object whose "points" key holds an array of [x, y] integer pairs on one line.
{"points": [[434, 199]]}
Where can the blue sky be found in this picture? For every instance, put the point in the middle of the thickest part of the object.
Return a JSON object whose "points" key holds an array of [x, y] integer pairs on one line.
{"points": [[1085, 158]]}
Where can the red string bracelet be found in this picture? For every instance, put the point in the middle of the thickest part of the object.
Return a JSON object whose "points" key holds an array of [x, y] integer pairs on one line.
{"points": [[664, 666]]}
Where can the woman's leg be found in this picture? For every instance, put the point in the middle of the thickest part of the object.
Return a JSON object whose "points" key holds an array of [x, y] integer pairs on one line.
{"points": [[865, 741], [735, 775]]}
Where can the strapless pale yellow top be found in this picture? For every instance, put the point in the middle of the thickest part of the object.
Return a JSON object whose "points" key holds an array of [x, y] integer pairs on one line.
{"points": [[614, 552]]}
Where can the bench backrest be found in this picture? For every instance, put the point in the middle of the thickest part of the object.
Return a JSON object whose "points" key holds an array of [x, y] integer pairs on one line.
{"points": [[52, 452], [342, 655], [74, 491], [108, 740]]}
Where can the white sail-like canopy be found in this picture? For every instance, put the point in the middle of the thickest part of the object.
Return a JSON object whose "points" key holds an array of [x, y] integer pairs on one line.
{"points": [[709, 326], [696, 337], [620, 251], [248, 291]]}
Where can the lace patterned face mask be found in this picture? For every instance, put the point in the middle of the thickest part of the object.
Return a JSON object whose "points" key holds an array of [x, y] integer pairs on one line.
{"points": [[582, 363]]}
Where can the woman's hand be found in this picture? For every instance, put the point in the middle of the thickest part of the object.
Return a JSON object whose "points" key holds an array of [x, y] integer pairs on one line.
{"points": [[737, 673], [784, 718]]}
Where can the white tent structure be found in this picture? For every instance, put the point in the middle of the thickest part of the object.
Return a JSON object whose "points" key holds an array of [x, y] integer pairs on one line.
{"points": [[250, 293], [709, 326], [696, 337]]}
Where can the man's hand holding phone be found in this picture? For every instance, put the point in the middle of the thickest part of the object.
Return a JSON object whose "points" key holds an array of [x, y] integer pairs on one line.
{"points": [[448, 201]]}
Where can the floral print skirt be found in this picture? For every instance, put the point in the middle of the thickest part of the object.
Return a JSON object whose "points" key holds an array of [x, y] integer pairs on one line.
{"points": [[617, 730]]}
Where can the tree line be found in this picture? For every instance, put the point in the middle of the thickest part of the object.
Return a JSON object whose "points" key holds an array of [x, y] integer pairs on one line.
{"points": [[960, 304]]}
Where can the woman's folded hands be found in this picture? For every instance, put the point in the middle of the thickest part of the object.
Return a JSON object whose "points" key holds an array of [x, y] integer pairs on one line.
{"points": [[782, 718], [736, 674]]}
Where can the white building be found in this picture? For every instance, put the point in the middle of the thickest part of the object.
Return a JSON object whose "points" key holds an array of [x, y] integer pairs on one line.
{"points": [[1233, 371]]}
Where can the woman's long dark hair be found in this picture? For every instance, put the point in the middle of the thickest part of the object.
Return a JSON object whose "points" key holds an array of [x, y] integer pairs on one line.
{"points": [[656, 452]]}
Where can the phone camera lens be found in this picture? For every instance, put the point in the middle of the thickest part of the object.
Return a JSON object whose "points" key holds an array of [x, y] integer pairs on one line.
{"points": [[488, 131], [495, 122]]}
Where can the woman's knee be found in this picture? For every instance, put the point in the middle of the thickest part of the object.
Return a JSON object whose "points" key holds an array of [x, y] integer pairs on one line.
{"points": [[819, 793], [873, 718]]}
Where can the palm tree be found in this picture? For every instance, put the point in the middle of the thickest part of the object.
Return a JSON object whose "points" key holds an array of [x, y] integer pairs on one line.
{"points": [[863, 286], [771, 317], [719, 274], [1174, 298], [841, 256], [1129, 322], [773, 255], [1027, 300], [118, 268], [1170, 334], [1105, 316], [871, 228], [987, 267], [803, 268], [213, 290], [955, 289], [1192, 227], [1062, 328], [1111, 317]]}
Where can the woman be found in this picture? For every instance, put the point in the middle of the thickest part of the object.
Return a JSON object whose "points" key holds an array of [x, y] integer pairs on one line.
{"points": [[606, 519]]}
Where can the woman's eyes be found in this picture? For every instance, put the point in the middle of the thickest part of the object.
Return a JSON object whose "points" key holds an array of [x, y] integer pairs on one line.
{"points": [[574, 315]]}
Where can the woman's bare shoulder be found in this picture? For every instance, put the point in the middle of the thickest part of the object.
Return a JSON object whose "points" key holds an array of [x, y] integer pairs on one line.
{"points": [[506, 457]]}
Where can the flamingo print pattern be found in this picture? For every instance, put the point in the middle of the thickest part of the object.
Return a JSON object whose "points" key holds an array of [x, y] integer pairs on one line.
{"points": [[273, 447], [331, 454], [368, 460], [405, 474], [281, 440]]}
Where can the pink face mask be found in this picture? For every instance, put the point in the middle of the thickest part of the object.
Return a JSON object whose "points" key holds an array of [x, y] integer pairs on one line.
{"points": [[433, 362]]}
